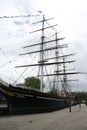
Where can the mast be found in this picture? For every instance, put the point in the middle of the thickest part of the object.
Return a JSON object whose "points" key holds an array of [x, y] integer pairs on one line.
{"points": [[64, 83], [45, 61], [42, 54], [57, 66], [41, 63]]}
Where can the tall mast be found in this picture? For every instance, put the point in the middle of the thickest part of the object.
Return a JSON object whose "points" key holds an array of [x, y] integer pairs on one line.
{"points": [[42, 61], [57, 66], [64, 83], [46, 61], [42, 54]]}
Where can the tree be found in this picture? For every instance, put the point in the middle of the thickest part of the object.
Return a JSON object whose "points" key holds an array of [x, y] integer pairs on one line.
{"points": [[32, 82], [81, 96], [53, 91]]}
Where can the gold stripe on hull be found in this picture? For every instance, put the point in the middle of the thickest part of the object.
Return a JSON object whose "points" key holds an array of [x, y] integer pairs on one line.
{"points": [[12, 93]]}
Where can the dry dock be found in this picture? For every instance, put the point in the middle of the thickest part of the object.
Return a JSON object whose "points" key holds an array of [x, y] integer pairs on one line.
{"points": [[58, 120]]}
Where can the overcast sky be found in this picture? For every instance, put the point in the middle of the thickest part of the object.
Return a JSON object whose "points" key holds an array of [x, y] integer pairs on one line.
{"points": [[71, 17]]}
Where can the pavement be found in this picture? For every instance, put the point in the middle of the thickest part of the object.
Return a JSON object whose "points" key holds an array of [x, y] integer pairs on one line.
{"points": [[57, 120]]}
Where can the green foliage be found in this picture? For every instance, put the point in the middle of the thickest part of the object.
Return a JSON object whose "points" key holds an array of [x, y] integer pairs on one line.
{"points": [[80, 96], [32, 82], [53, 92]]}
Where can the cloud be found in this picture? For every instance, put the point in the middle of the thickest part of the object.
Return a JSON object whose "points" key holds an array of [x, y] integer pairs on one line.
{"points": [[24, 21], [18, 23]]}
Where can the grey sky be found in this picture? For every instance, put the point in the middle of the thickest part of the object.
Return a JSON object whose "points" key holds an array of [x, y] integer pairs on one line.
{"points": [[71, 17]]}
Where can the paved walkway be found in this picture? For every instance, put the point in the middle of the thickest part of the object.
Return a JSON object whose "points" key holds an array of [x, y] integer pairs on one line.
{"points": [[58, 120]]}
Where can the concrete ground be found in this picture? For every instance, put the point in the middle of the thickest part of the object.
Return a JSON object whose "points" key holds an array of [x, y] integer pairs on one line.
{"points": [[58, 120]]}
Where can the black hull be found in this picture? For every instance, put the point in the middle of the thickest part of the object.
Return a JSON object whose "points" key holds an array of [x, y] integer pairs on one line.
{"points": [[29, 101], [34, 104]]}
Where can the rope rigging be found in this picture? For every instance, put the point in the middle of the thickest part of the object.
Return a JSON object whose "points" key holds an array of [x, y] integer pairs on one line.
{"points": [[16, 57], [9, 62], [6, 17], [23, 71]]}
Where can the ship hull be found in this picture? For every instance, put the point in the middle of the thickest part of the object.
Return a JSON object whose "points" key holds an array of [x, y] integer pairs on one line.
{"points": [[29, 101], [35, 104]]}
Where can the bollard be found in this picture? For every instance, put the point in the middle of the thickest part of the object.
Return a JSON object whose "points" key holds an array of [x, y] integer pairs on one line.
{"points": [[70, 107], [10, 109], [79, 105]]}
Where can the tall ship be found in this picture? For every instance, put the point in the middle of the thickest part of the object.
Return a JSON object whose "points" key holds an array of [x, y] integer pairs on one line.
{"points": [[51, 64]]}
